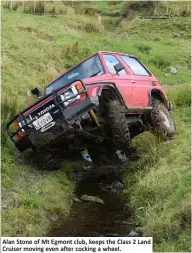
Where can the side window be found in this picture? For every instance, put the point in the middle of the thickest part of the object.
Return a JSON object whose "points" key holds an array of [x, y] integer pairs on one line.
{"points": [[135, 66], [111, 61]]}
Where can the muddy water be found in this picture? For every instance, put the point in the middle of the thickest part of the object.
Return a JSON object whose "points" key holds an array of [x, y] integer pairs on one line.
{"points": [[113, 218]]}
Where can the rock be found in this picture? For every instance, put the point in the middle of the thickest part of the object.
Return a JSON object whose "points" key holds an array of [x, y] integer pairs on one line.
{"points": [[117, 185], [172, 70], [132, 37], [123, 223], [179, 66], [124, 36], [122, 156], [133, 234], [45, 36], [76, 200], [54, 217], [175, 35], [107, 44], [139, 232], [167, 74], [92, 199]]}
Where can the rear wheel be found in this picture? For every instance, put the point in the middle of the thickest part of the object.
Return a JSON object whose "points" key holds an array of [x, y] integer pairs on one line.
{"points": [[161, 122]]}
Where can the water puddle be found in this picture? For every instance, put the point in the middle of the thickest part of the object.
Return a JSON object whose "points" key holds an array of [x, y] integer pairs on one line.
{"points": [[89, 218]]}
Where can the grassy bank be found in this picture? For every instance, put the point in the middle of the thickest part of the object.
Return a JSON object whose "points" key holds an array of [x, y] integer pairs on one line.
{"points": [[32, 200], [158, 184], [35, 50]]}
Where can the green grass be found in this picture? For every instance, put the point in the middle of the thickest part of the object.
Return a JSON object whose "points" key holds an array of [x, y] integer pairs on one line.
{"points": [[158, 183], [35, 50], [32, 199], [65, 32], [109, 7]]}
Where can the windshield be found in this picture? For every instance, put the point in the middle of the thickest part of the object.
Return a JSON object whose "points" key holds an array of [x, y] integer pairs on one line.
{"points": [[86, 69]]}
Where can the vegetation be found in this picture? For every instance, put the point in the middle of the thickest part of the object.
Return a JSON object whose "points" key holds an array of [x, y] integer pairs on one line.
{"points": [[35, 50], [158, 183], [32, 199]]}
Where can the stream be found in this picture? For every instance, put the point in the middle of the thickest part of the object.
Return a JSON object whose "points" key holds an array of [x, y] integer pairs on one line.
{"points": [[111, 218]]}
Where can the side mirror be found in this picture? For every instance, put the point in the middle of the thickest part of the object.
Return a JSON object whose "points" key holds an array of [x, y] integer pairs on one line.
{"points": [[36, 92], [118, 67]]}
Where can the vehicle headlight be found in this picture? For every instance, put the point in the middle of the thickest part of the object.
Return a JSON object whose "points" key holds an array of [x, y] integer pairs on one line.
{"points": [[28, 119], [16, 126], [70, 93]]}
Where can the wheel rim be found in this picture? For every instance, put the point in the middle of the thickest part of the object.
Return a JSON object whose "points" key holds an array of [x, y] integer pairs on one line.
{"points": [[165, 119]]}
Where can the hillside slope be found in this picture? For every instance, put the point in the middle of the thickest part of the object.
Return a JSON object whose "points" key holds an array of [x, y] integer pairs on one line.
{"points": [[35, 49]]}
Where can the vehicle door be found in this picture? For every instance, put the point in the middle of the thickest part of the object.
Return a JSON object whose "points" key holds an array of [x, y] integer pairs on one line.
{"points": [[142, 80], [123, 78]]}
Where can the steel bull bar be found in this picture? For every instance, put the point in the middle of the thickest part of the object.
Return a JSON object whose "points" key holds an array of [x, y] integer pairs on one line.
{"points": [[68, 114]]}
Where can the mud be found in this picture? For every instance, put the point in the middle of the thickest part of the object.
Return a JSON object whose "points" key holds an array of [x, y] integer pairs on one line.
{"points": [[89, 218]]}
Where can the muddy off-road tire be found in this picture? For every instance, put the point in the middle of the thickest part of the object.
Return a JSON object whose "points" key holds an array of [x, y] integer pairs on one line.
{"points": [[118, 124], [160, 121]]}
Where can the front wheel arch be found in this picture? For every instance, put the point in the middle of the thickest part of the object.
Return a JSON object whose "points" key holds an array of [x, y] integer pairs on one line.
{"points": [[106, 94]]}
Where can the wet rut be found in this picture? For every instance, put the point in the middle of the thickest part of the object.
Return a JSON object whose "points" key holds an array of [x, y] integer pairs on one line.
{"points": [[90, 218]]}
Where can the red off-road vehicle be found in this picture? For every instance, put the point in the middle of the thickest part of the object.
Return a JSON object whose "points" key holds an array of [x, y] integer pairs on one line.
{"points": [[99, 104]]}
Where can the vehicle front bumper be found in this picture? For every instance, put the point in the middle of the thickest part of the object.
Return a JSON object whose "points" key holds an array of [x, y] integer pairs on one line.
{"points": [[67, 117], [77, 111]]}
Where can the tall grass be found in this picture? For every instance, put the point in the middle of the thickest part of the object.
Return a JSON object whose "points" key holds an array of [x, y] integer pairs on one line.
{"points": [[9, 109], [157, 7], [158, 183], [181, 96], [34, 7], [85, 8], [32, 200], [11, 6], [74, 53]]}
